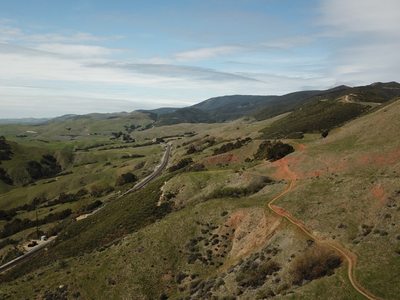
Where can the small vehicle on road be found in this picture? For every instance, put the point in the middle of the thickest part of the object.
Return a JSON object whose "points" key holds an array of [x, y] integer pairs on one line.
{"points": [[32, 244]]}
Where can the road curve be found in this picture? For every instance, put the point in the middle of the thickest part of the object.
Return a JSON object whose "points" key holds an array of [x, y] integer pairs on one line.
{"points": [[153, 175], [351, 258], [42, 246]]}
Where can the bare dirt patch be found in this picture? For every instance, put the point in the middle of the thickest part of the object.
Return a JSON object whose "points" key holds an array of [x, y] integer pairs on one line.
{"points": [[220, 159], [379, 193], [252, 230]]}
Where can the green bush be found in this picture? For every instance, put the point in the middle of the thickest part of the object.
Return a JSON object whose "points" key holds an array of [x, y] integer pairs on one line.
{"points": [[126, 178], [315, 262], [181, 164], [273, 150], [255, 278]]}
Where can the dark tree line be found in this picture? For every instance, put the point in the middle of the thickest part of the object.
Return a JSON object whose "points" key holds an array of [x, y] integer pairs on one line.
{"points": [[181, 164], [231, 146], [18, 225], [5, 150]]}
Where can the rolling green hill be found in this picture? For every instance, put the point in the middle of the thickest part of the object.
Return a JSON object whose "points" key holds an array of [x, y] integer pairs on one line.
{"points": [[229, 108], [184, 115], [227, 223]]}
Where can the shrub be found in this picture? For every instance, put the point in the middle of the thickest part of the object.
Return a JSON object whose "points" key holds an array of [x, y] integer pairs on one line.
{"points": [[181, 164], [97, 190], [324, 133], [126, 178], [253, 188], [5, 177], [254, 278], [197, 168], [315, 262], [231, 146], [273, 151]]}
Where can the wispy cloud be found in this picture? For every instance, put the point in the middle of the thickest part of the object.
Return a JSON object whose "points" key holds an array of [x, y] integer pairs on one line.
{"points": [[174, 71], [9, 33], [364, 37], [206, 53], [79, 50]]}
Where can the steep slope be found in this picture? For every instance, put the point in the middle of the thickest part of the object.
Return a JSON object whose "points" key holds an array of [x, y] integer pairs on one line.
{"points": [[376, 93], [184, 115], [317, 116], [228, 108], [282, 104]]}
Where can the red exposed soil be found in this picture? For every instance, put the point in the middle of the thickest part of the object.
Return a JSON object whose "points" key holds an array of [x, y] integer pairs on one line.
{"points": [[298, 146], [351, 258], [220, 159], [284, 172], [381, 160], [380, 120], [380, 194]]}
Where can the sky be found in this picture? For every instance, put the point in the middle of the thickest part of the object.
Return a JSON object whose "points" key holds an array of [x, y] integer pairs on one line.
{"points": [[78, 57]]}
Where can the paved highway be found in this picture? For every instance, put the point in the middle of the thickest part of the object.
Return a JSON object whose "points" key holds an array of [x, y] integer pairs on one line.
{"points": [[35, 250]]}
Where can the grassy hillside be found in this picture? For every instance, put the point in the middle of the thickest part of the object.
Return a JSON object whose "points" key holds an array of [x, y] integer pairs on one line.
{"points": [[204, 230], [229, 108], [315, 117], [184, 115], [375, 93]]}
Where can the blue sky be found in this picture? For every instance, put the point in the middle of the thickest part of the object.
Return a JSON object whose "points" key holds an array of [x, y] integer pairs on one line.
{"points": [[59, 57]]}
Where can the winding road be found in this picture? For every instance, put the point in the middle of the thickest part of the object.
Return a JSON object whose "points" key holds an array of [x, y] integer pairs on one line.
{"points": [[41, 246]]}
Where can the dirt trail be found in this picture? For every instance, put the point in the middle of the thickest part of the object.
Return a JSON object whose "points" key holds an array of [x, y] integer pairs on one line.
{"points": [[351, 258]]}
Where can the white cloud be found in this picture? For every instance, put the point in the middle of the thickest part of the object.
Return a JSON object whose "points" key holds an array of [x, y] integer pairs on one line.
{"points": [[364, 36], [357, 16], [205, 53], [9, 33], [78, 50]]}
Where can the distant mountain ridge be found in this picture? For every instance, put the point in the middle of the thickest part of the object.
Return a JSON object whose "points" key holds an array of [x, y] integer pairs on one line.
{"points": [[25, 121], [232, 107]]}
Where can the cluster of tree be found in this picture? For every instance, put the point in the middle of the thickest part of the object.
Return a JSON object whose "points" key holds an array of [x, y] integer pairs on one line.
{"points": [[256, 277], [197, 168], [126, 178], [5, 150], [7, 215], [235, 192], [48, 167], [132, 156], [5, 177], [101, 189], [181, 164], [68, 198], [273, 150], [148, 126], [115, 147], [231, 146], [87, 206], [18, 225], [131, 128], [124, 136]]}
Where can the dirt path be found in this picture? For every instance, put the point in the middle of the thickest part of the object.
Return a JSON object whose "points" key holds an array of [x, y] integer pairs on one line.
{"points": [[351, 258]]}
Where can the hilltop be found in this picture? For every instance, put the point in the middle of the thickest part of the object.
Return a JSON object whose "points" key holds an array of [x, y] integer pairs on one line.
{"points": [[246, 209]]}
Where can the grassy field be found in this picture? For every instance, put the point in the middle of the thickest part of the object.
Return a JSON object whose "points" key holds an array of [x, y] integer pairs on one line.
{"points": [[173, 238]]}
